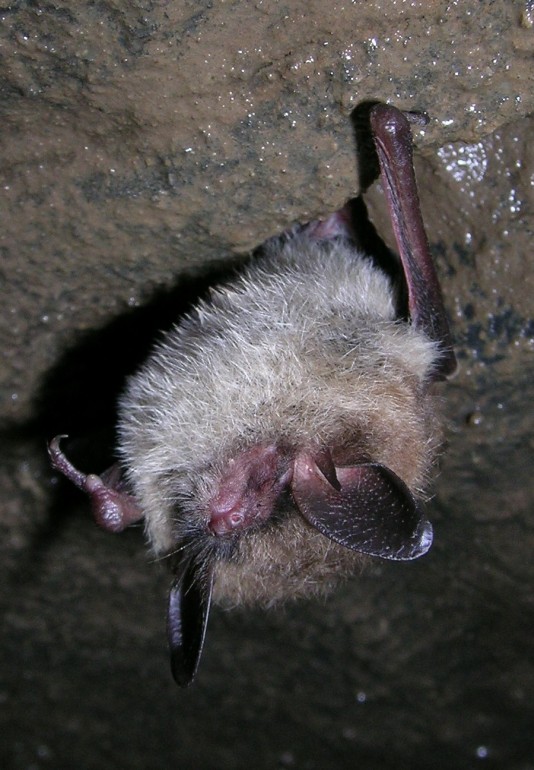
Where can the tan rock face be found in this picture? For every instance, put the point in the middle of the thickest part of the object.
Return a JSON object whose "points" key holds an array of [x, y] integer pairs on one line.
{"points": [[144, 141]]}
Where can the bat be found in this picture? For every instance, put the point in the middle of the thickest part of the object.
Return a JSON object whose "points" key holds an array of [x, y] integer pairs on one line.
{"points": [[286, 428]]}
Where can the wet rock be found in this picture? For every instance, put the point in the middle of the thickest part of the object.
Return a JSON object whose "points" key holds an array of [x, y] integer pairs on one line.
{"points": [[145, 146]]}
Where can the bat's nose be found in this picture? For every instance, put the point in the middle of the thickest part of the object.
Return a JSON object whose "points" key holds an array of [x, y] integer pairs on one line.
{"points": [[247, 489], [224, 519]]}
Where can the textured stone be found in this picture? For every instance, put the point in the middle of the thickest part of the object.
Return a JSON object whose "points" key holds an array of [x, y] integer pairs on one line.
{"points": [[145, 143]]}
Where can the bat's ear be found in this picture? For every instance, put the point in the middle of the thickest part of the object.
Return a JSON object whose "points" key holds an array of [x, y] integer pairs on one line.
{"points": [[187, 618], [368, 508]]}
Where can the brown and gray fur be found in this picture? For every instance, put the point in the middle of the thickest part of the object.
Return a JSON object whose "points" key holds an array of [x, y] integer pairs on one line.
{"points": [[304, 349]]}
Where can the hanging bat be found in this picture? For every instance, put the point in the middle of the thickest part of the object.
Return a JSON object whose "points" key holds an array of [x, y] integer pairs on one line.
{"points": [[285, 429]]}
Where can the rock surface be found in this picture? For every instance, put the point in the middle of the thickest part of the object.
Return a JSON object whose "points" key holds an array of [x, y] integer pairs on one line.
{"points": [[145, 145]]}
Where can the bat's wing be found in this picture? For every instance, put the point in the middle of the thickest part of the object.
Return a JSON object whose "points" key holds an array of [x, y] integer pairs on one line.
{"points": [[393, 141], [187, 618], [367, 508]]}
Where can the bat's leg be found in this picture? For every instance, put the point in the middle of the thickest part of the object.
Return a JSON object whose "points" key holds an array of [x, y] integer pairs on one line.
{"points": [[338, 224], [113, 509], [393, 140]]}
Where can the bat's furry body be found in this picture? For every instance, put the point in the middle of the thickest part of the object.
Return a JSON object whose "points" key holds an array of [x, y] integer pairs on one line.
{"points": [[304, 350], [287, 426]]}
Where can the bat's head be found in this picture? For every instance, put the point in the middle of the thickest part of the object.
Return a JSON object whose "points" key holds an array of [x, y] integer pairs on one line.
{"points": [[290, 513], [279, 523], [276, 520]]}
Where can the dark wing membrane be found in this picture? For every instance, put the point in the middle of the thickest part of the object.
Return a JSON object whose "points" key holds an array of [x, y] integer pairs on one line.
{"points": [[373, 511], [187, 618]]}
